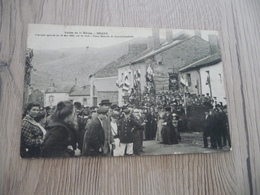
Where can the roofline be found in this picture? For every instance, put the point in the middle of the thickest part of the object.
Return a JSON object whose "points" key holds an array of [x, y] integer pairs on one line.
{"points": [[108, 91], [57, 92], [189, 67], [159, 51], [80, 95], [113, 77]]}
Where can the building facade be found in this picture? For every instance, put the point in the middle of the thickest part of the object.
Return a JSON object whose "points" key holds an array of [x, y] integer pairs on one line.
{"points": [[206, 77], [164, 59]]}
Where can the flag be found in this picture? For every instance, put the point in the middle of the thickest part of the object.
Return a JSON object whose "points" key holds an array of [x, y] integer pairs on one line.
{"points": [[197, 84], [184, 82], [137, 76], [119, 84], [149, 74], [126, 85], [208, 80]]}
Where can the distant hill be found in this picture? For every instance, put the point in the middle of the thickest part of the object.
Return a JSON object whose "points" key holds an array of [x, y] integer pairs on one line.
{"points": [[64, 65]]}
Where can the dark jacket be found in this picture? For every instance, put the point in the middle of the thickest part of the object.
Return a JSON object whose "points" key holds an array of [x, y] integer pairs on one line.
{"points": [[59, 136], [126, 129], [169, 134], [109, 138], [94, 138]]}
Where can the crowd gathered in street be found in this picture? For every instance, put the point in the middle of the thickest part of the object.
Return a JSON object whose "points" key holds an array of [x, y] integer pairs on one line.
{"points": [[71, 129]]}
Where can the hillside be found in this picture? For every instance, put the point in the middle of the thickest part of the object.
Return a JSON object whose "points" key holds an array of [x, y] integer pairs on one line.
{"points": [[64, 65]]}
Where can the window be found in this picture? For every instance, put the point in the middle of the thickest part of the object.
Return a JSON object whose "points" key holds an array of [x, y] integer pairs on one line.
{"points": [[94, 101], [208, 78], [94, 90], [188, 78], [220, 78], [85, 100]]}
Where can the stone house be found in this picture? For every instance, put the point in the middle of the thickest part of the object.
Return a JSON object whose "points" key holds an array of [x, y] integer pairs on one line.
{"points": [[36, 96], [169, 56], [206, 76], [53, 95], [81, 94], [103, 82]]}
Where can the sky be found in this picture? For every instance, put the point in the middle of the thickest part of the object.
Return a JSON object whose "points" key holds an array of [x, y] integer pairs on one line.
{"points": [[46, 36]]}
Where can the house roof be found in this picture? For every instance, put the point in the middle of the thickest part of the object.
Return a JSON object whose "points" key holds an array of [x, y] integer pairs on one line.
{"points": [[105, 84], [81, 91], [110, 70], [57, 89], [207, 61], [176, 43], [37, 91]]}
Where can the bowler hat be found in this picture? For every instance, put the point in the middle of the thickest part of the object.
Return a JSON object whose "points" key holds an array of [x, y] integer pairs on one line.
{"points": [[105, 102]]}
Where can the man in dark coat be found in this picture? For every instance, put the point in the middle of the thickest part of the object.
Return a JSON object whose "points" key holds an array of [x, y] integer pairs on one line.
{"points": [[109, 138], [209, 125], [95, 136], [226, 133], [151, 124], [127, 126], [138, 133], [217, 130]]}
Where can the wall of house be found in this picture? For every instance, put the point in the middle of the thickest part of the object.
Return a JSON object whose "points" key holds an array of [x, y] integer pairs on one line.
{"points": [[81, 100], [185, 53], [130, 70], [194, 87], [216, 82], [37, 97], [111, 96], [57, 97]]}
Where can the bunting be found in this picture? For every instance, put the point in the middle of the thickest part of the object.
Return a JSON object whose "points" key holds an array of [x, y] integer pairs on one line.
{"points": [[149, 74], [137, 76], [119, 84], [184, 82], [126, 84]]}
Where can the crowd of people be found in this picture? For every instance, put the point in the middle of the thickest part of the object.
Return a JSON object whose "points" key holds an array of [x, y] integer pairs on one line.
{"points": [[71, 129]]}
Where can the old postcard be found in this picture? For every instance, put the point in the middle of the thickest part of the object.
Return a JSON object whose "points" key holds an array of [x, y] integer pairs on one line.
{"points": [[106, 91]]}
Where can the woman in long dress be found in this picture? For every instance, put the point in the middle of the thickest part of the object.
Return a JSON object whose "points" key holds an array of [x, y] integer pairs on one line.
{"points": [[160, 125]]}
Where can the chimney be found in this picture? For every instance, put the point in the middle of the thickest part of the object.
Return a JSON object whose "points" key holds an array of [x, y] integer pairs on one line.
{"points": [[169, 36], [76, 82], [213, 43], [198, 33], [150, 42], [136, 49], [156, 39]]}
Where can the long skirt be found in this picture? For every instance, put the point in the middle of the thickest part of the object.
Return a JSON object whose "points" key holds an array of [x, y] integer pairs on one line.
{"points": [[169, 135], [159, 130]]}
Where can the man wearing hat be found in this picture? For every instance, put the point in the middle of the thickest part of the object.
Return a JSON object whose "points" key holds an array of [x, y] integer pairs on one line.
{"points": [[105, 103], [109, 138], [95, 136], [126, 127], [208, 129]]}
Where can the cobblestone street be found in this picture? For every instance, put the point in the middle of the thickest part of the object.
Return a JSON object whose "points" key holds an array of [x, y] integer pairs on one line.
{"points": [[191, 143]]}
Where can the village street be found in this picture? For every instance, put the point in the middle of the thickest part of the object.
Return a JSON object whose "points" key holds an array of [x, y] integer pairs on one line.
{"points": [[191, 143]]}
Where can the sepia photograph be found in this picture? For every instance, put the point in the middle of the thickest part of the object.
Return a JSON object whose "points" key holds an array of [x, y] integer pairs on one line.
{"points": [[94, 91]]}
